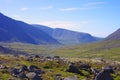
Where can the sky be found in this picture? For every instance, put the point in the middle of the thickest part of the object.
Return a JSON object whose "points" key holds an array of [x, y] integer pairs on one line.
{"points": [[97, 17]]}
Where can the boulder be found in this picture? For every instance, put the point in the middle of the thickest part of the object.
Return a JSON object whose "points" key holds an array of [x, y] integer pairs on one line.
{"points": [[14, 71], [94, 71], [58, 77], [32, 68], [2, 67], [37, 56], [33, 76], [37, 78], [71, 78], [22, 75], [105, 74], [84, 66], [72, 68], [38, 71], [23, 68]]}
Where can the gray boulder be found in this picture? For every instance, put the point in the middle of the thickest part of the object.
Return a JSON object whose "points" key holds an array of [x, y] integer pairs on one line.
{"points": [[71, 78], [2, 67], [32, 68], [33, 76]]}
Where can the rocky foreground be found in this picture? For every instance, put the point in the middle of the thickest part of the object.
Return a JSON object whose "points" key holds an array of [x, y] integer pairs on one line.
{"points": [[35, 67]]}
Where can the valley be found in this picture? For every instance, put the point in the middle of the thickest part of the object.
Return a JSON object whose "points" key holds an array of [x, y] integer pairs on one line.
{"points": [[38, 52]]}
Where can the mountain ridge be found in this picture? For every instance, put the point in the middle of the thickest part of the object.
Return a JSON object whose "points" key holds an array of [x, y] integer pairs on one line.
{"points": [[113, 36], [18, 31], [68, 36]]}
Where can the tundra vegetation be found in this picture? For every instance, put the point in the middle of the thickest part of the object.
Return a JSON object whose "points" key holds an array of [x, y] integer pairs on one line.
{"points": [[77, 62], [35, 67]]}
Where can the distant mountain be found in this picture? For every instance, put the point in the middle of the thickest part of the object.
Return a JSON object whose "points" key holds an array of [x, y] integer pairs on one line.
{"points": [[17, 31], [114, 36], [67, 36]]}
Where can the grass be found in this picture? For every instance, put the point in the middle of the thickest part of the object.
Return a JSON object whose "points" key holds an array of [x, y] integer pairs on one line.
{"points": [[108, 50], [51, 68]]}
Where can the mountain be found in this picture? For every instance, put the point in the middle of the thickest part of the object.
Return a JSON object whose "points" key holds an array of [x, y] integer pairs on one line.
{"points": [[114, 36], [67, 36], [17, 31]]}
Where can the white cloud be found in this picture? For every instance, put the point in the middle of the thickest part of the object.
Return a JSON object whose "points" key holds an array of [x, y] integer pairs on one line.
{"points": [[16, 16], [58, 24], [86, 6], [76, 9], [65, 24], [81, 26], [93, 3], [47, 7], [69, 9], [24, 9]]}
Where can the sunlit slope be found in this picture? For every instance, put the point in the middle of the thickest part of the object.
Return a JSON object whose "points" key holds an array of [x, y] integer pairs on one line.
{"points": [[107, 49]]}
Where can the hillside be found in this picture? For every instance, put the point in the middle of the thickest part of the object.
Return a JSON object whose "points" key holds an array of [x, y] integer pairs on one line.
{"points": [[4, 50], [67, 36], [107, 49], [114, 36], [17, 31]]}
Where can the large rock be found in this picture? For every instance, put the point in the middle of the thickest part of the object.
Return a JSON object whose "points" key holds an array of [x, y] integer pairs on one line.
{"points": [[14, 71], [58, 77], [94, 71], [33, 76], [23, 68], [39, 71], [2, 67], [22, 75], [105, 74], [72, 68], [83, 66], [32, 68], [71, 78]]}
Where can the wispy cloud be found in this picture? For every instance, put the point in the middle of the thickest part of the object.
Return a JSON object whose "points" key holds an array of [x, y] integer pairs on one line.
{"points": [[58, 24], [93, 3], [24, 9], [76, 8], [16, 16], [69, 9], [65, 24], [86, 6], [46, 7]]}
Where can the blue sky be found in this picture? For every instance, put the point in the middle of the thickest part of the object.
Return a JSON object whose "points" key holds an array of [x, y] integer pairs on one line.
{"points": [[97, 17]]}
